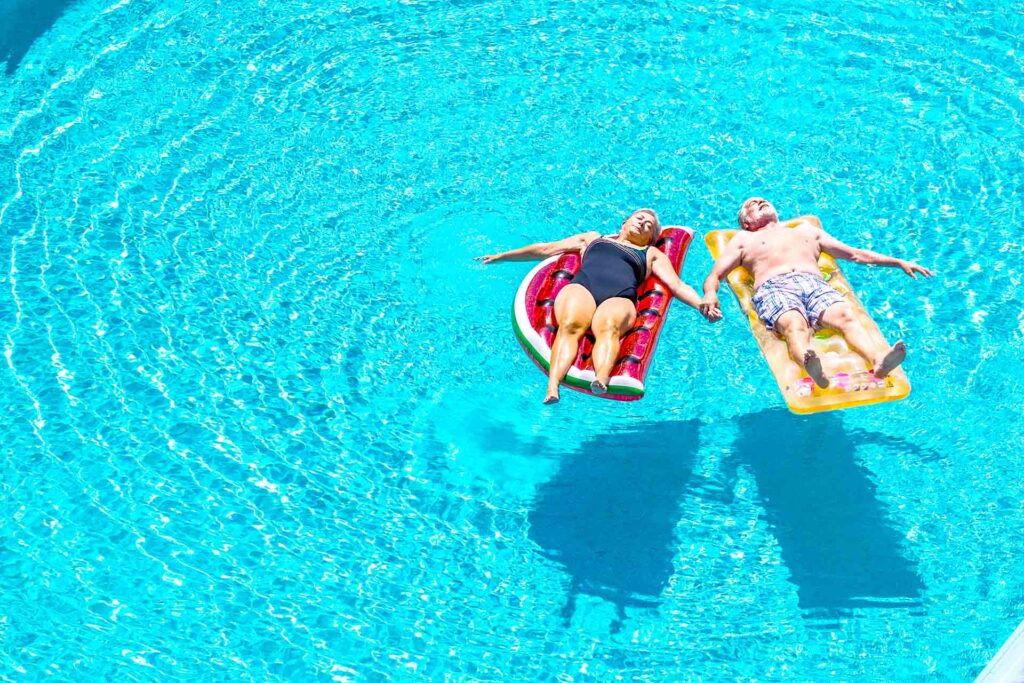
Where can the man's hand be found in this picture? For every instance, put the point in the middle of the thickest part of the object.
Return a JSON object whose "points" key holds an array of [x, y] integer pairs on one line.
{"points": [[910, 268]]}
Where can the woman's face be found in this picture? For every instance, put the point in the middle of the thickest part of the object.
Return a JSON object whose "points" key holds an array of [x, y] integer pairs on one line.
{"points": [[640, 227]]}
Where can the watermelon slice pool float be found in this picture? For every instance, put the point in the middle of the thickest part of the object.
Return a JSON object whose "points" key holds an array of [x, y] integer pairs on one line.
{"points": [[533, 317]]}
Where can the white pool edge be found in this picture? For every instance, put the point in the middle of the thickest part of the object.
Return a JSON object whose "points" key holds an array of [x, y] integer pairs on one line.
{"points": [[1008, 664]]}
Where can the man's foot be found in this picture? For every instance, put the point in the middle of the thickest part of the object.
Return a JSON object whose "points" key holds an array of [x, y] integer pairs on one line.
{"points": [[598, 387], [812, 364], [552, 397], [891, 360]]}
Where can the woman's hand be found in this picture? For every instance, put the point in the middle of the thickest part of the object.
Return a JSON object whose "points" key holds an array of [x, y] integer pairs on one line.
{"points": [[490, 258]]}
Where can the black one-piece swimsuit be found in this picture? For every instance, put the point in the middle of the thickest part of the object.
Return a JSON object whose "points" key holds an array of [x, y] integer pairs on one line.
{"points": [[611, 269]]}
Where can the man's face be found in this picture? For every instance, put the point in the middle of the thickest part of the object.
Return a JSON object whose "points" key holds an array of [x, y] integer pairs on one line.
{"points": [[756, 213]]}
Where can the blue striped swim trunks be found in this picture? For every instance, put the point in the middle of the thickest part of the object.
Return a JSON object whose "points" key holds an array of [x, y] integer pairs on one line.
{"points": [[802, 292]]}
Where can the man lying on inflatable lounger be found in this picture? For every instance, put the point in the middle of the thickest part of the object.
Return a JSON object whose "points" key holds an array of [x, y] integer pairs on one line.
{"points": [[790, 295]]}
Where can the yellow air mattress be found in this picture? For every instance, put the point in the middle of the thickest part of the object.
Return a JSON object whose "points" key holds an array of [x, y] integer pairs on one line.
{"points": [[852, 382]]}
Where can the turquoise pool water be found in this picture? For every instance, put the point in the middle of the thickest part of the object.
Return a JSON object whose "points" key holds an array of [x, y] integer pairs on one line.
{"points": [[265, 419]]}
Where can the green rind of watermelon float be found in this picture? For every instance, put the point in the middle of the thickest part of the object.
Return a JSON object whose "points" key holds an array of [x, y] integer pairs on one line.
{"points": [[533, 318]]}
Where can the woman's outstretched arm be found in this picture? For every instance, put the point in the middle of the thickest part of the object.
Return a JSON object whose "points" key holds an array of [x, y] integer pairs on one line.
{"points": [[541, 250], [662, 268]]}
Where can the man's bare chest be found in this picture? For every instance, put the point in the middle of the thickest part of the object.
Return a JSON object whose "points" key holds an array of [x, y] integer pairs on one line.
{"points": [[780, 246]]}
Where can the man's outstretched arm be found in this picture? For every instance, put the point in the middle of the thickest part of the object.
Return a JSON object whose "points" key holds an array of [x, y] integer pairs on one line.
{"points": [[830, 245]]}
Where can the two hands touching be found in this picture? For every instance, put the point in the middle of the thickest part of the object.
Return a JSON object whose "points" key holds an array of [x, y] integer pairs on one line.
{"points": [[709, 308]]}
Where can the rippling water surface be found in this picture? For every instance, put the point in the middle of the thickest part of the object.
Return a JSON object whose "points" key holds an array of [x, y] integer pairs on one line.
{"points": [[265, 419]]}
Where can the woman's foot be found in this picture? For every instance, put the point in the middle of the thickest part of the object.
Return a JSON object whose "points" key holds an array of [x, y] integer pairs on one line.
{"points": [[891, 360], [552, 397], [812, 364], [598, 387]]}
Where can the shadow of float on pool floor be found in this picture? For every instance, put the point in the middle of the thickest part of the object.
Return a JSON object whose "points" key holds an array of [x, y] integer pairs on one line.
{"points": [[21, 23], [840, 547], [609, 514]]}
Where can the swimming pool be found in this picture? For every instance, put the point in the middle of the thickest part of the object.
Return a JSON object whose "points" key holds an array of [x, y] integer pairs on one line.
{"points": [[266, 419]]}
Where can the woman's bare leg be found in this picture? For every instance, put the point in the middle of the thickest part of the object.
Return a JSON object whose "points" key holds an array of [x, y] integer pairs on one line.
{"points": [[574, 309], [793, 326], [612, 319]]}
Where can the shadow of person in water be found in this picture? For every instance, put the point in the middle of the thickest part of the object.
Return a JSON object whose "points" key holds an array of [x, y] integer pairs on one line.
{"points": [[610, 512], [841, 550], [21, 22]]}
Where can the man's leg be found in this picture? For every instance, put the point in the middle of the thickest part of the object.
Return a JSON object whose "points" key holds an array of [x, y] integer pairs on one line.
{"points": [[794, 328], [882, 359]]}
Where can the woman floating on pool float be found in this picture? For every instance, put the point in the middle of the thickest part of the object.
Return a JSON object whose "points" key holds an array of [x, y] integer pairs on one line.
{"points": [[789, 294], [603, 294]]}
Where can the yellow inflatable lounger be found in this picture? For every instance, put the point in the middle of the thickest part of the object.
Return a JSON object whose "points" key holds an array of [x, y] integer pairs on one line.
{"points": [[852, 382]]}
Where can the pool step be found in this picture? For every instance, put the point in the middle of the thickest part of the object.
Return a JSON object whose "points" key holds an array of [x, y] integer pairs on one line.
{"points": [[1008, 664]]}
